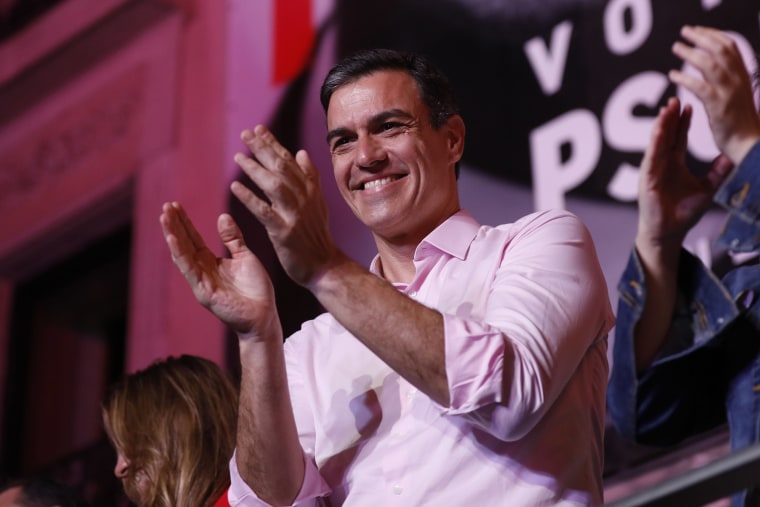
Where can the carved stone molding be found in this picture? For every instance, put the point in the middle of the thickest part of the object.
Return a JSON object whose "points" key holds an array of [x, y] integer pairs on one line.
{"points": [[76, 135]]}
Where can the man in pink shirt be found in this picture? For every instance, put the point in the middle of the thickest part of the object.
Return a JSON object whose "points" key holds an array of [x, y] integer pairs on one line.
{"points": [[467, 366]]}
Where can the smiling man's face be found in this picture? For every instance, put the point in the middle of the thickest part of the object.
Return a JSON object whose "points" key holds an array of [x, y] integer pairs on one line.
{"points": [[394, 170]]}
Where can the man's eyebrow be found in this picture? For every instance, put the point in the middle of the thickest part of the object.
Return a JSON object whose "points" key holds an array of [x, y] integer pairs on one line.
{"points": [[339, 132], [375, 120], [391, 113]]}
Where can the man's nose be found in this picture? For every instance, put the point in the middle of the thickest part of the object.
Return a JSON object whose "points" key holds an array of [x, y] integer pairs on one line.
{"points": [[371, 151]]}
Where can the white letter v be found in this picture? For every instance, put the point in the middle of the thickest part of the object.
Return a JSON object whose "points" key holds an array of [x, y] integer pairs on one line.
{"points": [[549, 64]]}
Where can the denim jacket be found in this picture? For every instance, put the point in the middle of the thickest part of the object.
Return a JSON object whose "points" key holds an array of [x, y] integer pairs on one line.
{"points": [[708, 369]]}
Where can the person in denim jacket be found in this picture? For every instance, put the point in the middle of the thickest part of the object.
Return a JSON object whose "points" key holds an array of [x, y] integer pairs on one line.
{"points": [[686, 356]]}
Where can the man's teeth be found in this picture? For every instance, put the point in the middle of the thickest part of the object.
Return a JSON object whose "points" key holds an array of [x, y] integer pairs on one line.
{"points": [[377, 183]]}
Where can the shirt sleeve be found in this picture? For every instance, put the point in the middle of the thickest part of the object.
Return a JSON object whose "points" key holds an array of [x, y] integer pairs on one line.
{"points": [[240, 494], [666, 402], [740, 195], [314, 486], [547, 305]]}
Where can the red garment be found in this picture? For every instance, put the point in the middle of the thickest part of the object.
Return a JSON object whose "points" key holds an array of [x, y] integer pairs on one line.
{"points": [[222, 502]]}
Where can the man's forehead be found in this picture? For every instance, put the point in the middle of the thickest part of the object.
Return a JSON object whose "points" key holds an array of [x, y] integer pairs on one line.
{"points": [[375, 93]]}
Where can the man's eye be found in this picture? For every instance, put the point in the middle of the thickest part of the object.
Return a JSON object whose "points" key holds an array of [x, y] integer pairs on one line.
{"points": [[339, 142], [389, 125]]}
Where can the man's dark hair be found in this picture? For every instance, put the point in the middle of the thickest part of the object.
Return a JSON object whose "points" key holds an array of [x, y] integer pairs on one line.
{"points": [[434, 87]]}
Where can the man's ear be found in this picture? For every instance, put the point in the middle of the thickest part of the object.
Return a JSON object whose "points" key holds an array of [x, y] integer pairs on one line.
{"points": [[455, 140]]}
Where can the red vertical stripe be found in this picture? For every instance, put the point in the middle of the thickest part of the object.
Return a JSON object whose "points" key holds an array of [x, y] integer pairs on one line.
{"points": [[293, 38]]}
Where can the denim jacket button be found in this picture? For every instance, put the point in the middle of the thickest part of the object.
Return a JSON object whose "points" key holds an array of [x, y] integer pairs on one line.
{"points": [[738, 198]]}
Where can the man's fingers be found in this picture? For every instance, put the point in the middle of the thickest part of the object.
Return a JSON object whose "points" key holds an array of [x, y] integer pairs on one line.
{"points": [[268, 150], [187, 248], [185, 261], [274, 160], [187, 225], [281, 176], [176, 229], [309, 171], [260, 208], [183, 254], [254, 170], [304, 162], [230, 234], [167, 225]]}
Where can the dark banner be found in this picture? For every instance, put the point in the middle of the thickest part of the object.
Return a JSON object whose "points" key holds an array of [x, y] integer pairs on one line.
{"points": [[557, 94]]}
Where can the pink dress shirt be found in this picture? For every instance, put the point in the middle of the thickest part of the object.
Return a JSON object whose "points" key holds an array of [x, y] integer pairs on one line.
{"points": [[526, 316]]}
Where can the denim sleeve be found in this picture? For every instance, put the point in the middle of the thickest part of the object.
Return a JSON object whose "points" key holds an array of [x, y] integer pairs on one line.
{"points": [[622, 389], [740, 195], [676, 396]]}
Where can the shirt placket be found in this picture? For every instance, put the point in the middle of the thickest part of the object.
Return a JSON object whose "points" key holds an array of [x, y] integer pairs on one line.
{"points": [[397, 459]]}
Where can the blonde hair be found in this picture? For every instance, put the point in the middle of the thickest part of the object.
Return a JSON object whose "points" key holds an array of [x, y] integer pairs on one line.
{"points": [[175, 422]]}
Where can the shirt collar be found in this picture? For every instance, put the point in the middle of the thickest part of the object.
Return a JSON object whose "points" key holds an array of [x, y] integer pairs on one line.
{"points": [[453, 237]]}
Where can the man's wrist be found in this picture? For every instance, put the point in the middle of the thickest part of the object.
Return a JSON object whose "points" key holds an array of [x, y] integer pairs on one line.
{"points": [[332, 275], [268, 329]]}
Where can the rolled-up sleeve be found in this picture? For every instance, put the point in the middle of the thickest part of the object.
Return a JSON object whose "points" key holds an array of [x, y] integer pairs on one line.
{"points": [[240, 494], [546, 307]]}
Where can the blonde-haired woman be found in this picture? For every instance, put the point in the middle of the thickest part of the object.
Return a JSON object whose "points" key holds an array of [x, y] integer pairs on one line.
{"points": [[173, 428]]}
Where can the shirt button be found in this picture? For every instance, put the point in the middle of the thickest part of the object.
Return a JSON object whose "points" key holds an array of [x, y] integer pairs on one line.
{"points": [[397, 489], [412, 293], [410, 393]]}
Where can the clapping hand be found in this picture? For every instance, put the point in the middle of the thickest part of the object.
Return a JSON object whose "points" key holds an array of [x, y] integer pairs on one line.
{"points": [[237, 289]]}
